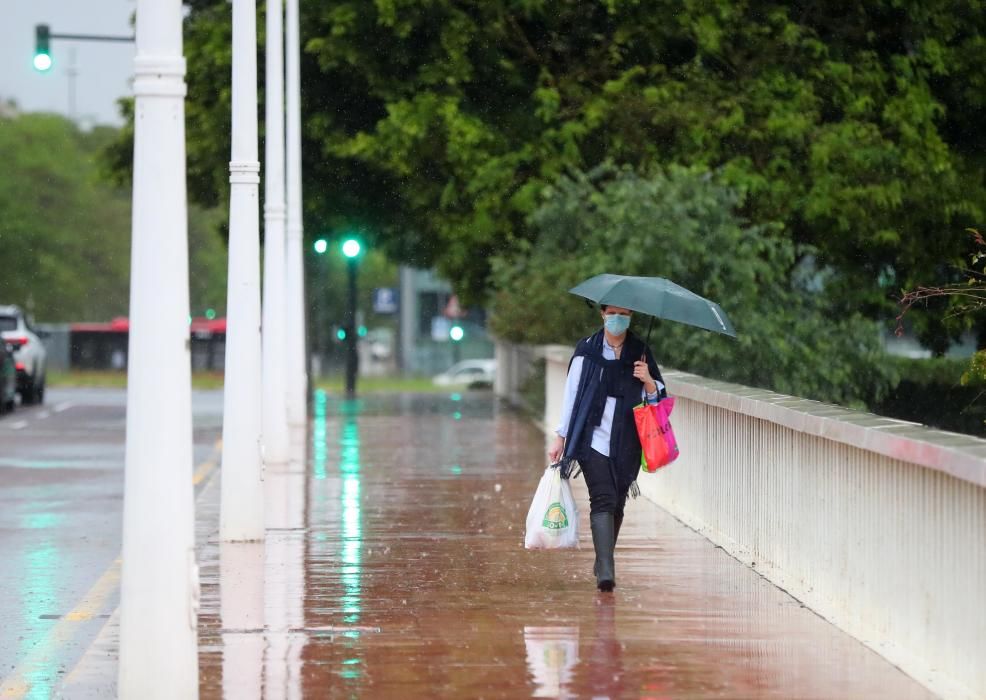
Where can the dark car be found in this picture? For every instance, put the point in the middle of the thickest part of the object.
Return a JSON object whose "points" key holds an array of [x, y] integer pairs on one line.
{"points": [[8, 378]]}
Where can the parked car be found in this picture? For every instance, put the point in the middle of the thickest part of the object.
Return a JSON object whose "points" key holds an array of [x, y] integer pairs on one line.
{"points": [[30, 356], [468, 373], [8, 378]]}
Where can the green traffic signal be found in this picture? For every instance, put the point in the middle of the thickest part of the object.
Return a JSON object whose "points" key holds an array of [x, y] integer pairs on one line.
{"points": [[341, 334], [361, 331], [351, 248], [42, 52], [321, 245], [456, 333]]}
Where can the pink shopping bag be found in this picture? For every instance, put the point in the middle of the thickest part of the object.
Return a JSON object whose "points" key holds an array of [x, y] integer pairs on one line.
{"points": [[659, 447]]}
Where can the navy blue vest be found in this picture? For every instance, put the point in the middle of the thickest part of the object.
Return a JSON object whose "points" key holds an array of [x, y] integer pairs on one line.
{"points": [[600, 379]]}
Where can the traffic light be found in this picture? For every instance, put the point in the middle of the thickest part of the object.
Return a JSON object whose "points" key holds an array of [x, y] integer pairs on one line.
{"points": [[321, 245], [456, 333], [42, 52], [340, 334], [351, 248]]}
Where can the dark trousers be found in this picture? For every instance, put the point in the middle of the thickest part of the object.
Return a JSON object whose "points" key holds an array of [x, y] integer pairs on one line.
{"points": [[600, 478]]}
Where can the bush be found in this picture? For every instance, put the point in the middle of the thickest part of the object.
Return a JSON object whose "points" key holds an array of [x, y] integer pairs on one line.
{"points": [[931, 392], [683, 225]]}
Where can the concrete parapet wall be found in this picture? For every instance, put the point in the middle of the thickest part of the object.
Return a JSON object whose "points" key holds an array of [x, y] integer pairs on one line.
{"points": [[513, 367], [879, 525]]}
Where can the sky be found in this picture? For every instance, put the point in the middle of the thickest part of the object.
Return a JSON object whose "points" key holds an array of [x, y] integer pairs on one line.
{"points": [[104, 69]]}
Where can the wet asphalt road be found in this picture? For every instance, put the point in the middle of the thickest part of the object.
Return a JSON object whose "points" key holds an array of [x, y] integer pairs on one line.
{"points": [[394, 567], [61, 499]]}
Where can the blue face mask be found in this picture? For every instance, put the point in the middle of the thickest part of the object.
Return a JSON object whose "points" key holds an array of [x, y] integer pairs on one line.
{"points": [[617, 324]]}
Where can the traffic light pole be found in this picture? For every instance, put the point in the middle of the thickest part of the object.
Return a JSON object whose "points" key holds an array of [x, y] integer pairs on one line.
{"points": [[91, 37], [42, 45], [352, 357]]}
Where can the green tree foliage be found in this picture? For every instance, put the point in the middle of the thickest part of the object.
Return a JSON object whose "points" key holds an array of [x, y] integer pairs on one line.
{"points": [[436, 124], [65, 232], [683, 225]]}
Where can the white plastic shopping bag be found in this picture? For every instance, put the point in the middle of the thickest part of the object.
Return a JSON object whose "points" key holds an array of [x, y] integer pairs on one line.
{"points": [[552, 521]]}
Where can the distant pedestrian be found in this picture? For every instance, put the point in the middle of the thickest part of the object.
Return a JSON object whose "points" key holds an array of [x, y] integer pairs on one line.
{"points": [[610, 372]]}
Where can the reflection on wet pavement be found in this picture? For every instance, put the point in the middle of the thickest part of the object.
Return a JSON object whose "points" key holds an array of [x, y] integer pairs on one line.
{"points": [[394, 568], [61, 471]]}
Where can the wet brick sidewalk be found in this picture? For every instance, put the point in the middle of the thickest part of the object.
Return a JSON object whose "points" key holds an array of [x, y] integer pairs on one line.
{"points": [[394, 568]]}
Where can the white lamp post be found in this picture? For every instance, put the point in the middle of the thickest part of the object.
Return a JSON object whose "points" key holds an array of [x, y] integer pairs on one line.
{"points": [[275, 271], [242, 504], [159, 581], [295, 357]]}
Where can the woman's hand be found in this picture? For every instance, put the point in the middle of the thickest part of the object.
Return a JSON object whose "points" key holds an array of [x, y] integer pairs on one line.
{"points": [[642, 372], [555, 449]]}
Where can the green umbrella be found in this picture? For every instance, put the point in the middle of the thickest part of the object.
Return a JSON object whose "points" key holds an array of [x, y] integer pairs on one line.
{"points": [[658, 297]]}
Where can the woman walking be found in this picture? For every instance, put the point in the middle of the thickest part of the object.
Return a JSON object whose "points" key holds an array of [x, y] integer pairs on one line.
{"points": [[611, 372]]}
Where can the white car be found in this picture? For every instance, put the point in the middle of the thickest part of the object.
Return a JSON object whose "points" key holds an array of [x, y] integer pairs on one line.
{"points": [[30, 356], [467, 373]]}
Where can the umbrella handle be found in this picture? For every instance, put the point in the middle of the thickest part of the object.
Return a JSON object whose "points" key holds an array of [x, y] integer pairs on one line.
{"points": [[650, 324]]}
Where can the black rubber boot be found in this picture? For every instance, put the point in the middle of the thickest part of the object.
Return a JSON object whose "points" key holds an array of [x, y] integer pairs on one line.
{"points": [[617, 523], [603, 540]]}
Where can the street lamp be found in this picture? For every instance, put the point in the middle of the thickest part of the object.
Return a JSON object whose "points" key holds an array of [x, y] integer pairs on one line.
{"points": [[159, 578], [351, 249]]}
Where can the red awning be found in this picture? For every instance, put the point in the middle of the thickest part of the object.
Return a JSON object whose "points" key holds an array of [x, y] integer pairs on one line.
{"points": [[122, 325]]}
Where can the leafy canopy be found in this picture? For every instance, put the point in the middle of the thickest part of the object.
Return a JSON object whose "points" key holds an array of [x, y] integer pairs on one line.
{"points": [[65, 232], [436, 124], [683, 225]]}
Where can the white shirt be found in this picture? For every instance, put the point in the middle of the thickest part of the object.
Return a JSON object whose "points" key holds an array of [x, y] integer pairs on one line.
{"points": [[601, 433]]}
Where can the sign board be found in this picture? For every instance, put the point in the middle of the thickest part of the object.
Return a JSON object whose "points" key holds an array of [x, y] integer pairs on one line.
{"points": [[453, 309], [440, 327], [385, 300]]}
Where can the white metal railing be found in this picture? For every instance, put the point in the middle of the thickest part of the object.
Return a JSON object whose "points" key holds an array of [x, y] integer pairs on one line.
{"points": [[879, 525]]}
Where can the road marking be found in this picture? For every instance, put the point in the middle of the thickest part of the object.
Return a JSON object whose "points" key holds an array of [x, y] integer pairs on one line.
{"points": [[43, 415], [207, 466], [64, 406], [18, 682], [18, 425]]}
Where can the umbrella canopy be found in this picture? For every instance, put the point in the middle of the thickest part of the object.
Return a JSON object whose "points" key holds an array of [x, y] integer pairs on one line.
{"points": [[658, 297]]}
